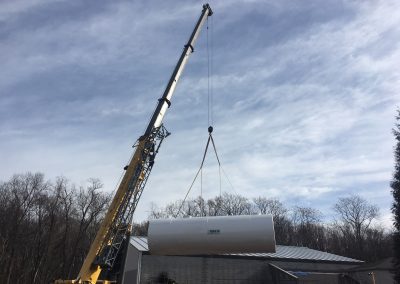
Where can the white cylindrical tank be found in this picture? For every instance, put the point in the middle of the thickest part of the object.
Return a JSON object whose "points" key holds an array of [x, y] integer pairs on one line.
{"points": [[212, 235]]}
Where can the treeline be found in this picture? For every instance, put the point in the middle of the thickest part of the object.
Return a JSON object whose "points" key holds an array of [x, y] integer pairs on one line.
{"points": [[46, 227], [353, 232]]}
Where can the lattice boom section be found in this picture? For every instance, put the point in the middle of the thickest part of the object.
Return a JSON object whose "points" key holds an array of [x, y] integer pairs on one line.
{"points": [[120, 229]]}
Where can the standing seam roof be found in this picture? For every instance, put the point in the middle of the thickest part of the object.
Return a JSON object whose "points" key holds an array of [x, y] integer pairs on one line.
{"points": [[282, 252]]}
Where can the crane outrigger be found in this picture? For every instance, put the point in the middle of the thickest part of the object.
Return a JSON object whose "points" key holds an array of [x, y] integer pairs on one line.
{"points": [[115, 229]]}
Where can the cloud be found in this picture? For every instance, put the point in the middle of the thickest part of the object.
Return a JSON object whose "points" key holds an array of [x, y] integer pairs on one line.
{"points": [[304, 95]]}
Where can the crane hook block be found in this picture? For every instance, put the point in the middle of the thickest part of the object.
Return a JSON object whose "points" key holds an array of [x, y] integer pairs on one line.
{"points": [[210, 129]]}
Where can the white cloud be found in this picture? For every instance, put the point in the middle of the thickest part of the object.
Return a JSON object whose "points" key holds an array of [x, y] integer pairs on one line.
{"points": [[303, 114]]}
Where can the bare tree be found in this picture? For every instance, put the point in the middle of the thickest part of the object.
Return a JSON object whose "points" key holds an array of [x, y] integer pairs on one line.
{"points": [[214, 206], [140, 229], [306, 215], [308, 230], [21, 210], [270, 206], [156, 212], [42, 231], [235, 204], [91, 204], [355, 216], [178, 209], [200, 207], [282, 225]]}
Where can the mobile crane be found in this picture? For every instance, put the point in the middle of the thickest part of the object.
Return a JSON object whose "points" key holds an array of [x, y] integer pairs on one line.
{"points": [[114, 230]]}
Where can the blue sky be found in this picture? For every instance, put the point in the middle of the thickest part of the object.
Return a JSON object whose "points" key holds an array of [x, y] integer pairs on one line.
{"points": [[305, 94]]}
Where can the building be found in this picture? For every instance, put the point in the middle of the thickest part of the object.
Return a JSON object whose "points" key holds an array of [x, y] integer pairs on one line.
{"points": [[380, 271], [289, 264]]}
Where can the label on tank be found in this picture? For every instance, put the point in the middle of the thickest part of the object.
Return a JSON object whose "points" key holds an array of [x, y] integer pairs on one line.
{"points": [[214, 231]]}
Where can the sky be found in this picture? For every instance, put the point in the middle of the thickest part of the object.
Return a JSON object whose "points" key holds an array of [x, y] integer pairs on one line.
{"points": [[304, 96]]}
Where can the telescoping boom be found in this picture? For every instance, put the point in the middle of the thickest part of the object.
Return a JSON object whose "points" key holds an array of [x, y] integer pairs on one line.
{"points": [[115, 229]]}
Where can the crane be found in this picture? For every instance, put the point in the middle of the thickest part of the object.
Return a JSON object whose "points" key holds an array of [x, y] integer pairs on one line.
{"points": [[115, 228]]}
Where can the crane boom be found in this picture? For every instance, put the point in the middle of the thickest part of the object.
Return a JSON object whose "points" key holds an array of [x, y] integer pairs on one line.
{"points": [[115, 228]]}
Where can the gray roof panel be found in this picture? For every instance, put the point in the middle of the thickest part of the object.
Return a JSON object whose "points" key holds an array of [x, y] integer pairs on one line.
{"points": [[140, 243], [282, 252], [303, 253]]}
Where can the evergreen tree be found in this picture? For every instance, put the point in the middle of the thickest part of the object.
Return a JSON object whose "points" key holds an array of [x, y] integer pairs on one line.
{"points": [[395, 184]]}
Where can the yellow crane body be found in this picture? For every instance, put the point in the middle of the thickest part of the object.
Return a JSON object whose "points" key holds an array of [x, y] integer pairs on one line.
{"points": [[116, 225]]}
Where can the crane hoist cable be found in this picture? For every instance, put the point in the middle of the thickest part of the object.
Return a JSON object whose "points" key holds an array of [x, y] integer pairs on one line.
{"points": [[210, 67], [210, 121], [209, 101]]}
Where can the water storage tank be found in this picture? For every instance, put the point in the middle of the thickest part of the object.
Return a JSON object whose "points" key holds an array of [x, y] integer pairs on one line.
{"points": [[212, 235]]}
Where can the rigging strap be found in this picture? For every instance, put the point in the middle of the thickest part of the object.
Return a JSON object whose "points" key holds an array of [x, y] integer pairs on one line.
{"points": [[210, 138]]}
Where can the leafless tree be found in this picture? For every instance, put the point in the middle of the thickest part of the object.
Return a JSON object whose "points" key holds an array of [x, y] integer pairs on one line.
{"points": [[283, 226], [156, 212], [214, 206], [235, 204], [25, 192], [140, 229], [270, 206], [90, 205], [354, 217], [308, 230], [306, 215], [41, 223]]}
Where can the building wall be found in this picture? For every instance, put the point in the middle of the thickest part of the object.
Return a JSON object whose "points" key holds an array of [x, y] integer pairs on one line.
{"points": [[132, 266], [185, 269], [145, 268], [161, 269], [381, 277]]}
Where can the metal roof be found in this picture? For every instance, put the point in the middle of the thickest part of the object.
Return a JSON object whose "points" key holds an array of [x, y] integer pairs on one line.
{"points": [[140, 243], [282, 252]]}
